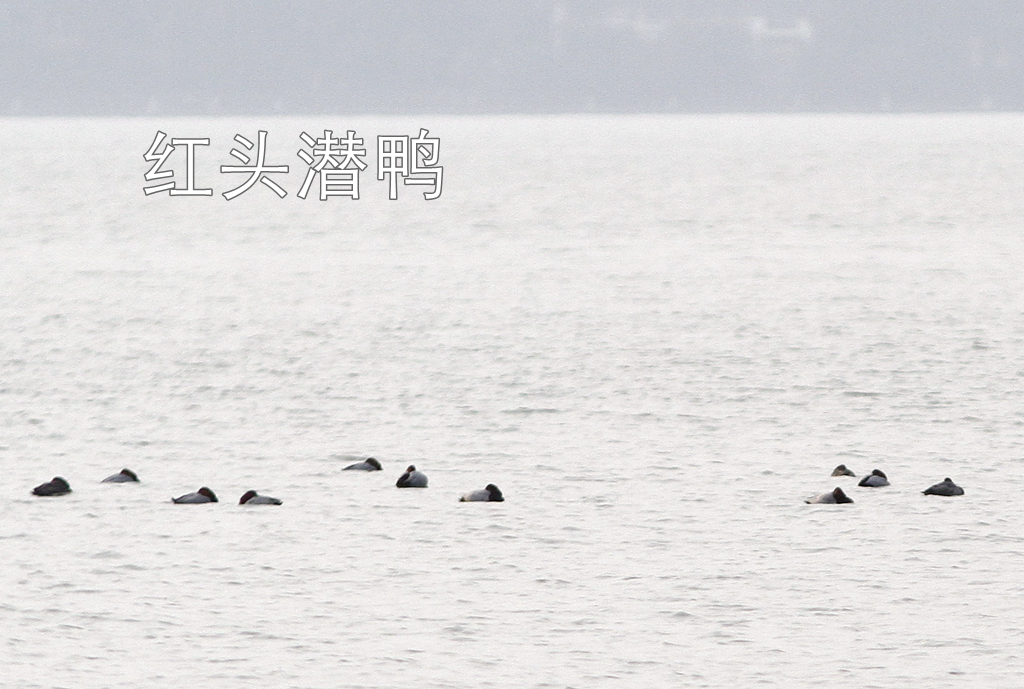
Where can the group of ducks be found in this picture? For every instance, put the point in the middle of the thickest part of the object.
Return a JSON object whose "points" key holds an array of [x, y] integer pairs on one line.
{"points": [[417, 479], [490, 493], [877, 479], [410, 479]]}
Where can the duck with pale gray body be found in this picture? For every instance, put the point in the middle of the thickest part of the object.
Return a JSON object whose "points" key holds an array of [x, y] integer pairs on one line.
{"points": [[202, 495], [876, 479], [841, 470], [946, 487], [251, 497], [836, 497], [56, 486], [489, 494], [370, 464], [412, 479], [123, 476]]}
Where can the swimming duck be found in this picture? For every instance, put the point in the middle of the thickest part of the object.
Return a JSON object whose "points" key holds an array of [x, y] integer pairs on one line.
{"points": [[836, 497], [489, 494], [251, 498], [204, 494], [370, 464], [412, 479], [841, 470], [875, 479], [57, 486], [946, 487], [123, 476]]}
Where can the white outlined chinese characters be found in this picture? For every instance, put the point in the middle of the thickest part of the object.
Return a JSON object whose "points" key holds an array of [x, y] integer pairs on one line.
{"points": [[415, 161], [392, 161], [257, 172], [159, 157], [333, 162], [337, 177], [425, 170]]}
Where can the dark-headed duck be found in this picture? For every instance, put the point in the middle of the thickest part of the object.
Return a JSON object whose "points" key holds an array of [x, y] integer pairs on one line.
{"points": [[489, 494], [836, 497], [875, 479], [57, 486], [204, 494], [841, 470], [251, 498], [947, 487], [412, 479], [123, 476], [370, 464]]}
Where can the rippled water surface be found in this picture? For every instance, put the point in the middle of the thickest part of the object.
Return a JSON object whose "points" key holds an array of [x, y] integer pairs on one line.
{"points": [[657, 335]]}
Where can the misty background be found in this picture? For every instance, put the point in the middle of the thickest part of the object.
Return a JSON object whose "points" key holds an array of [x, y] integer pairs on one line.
{"points": [[538, 56]]}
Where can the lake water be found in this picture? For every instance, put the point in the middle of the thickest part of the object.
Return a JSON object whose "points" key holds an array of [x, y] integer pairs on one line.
{"points": [[657, 335]]}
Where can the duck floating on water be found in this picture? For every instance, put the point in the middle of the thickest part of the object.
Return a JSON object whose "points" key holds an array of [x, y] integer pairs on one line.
{"points": [[876, 479], [56, 486], [252, 498], [945, 487], [836, 497], [202, 495], [412, 479], [489, 494], [123, 476], [369, 464]]}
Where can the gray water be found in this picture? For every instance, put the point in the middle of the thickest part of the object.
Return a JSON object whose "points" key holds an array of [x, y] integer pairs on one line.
{"points": [[657, 336]]}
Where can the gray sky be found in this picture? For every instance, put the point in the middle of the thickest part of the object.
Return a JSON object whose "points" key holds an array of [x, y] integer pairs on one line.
{"points": [[462, 56]]}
